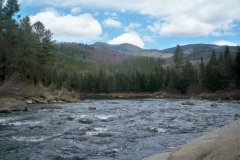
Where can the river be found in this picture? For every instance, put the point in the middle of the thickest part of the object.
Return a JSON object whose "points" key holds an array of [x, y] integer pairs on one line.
{"points": [[127, 129]]}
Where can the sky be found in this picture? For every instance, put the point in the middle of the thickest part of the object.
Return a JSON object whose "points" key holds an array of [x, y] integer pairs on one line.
{"points": [[149, 24]]}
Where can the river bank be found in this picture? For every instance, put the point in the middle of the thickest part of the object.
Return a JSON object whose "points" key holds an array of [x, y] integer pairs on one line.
{"points": [[20, 94]]}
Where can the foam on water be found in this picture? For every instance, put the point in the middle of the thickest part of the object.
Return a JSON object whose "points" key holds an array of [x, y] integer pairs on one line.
{"points": [[28, 123], [97, 131], [35, 138], [104, 117], [7, 119]]}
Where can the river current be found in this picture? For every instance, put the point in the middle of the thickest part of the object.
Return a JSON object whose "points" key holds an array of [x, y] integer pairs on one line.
{"points": [[118, 129]]}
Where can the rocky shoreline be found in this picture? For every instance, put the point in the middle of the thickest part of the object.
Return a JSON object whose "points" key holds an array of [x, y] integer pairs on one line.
{"points": [[18, 102]]}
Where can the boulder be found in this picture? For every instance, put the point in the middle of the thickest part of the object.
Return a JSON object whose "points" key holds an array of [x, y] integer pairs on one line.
{"points": [[47, 96], [92, 108], [12, 104], [235, 101], [237, 115], [187, 103], [5, 110], [213, 105], [87, 101], [220, 144], [19, 107]]}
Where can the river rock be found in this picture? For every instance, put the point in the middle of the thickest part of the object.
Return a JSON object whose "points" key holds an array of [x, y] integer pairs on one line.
{"points": [[46, 96], [12, 104], [235, 101], [92, 108], [29, 101], [187, 103], [20, 107], [220, 144], [87, 101], [39, 101], [237, 115], [5, 110], [213, 105]]}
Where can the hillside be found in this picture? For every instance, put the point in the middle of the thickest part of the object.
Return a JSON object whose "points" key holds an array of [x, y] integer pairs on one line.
{"points": [[192, 51]]}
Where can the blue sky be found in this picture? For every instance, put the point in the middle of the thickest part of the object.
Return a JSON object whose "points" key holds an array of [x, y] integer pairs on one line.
{"points": [[148, 24]]}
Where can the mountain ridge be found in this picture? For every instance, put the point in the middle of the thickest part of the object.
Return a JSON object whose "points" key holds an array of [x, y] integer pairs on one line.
{"points": [[193, 51]]}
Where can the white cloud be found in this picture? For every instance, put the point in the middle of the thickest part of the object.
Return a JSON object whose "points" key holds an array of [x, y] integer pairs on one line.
{"points": [[175, 17], [131, 38], [109, 22], [223, 43], [75, 10], [113, 14], [132, 26], [68, 27]]}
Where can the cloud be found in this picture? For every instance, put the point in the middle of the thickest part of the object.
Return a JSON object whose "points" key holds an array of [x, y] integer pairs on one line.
{"points": [[148, 39], [131, 38], [224, 43], [110, 14], [75, 10], [132, 26], [109, 22], [173, 18], [68, 27]]}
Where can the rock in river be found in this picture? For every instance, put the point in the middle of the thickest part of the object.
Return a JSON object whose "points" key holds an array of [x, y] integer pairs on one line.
{"points": [[92, 108], [9, 104], [213, 105], [187, 103]]}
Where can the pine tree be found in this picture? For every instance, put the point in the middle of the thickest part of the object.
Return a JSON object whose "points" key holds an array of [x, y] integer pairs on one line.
{"points": [[187, 76], [212, 79], [236, 67], [178, 57], [201, 72]]}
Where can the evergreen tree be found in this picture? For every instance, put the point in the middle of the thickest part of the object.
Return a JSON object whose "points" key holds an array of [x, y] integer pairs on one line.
{"points": [[226, 70], [236, 67], [212, 79], [201, 72], [178, 57], [187, 76]]}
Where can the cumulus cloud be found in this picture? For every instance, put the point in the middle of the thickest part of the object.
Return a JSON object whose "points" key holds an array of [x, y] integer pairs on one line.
{"points": [[224, 43], [174, 18], [109, 22], [131, 38], [68, 27]]}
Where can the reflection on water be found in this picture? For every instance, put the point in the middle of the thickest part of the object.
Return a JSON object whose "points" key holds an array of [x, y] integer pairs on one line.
{"points": [[118, 129]]}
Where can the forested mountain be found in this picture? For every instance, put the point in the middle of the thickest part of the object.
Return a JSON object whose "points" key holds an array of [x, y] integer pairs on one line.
{"points": [[29, 54], [192, 51]]}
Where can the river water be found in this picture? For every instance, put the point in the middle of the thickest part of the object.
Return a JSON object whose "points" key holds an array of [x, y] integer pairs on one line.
{"points": [[119, 129]]}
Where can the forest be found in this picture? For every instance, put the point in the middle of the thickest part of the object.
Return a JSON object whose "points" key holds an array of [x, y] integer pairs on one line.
{"points": [[29, 54]]}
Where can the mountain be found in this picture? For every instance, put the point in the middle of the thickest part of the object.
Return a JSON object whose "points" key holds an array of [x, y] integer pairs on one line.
{"points": [[192, 51], [125, 47]]}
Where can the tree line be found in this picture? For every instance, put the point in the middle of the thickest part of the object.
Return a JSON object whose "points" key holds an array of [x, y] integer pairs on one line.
{"points": [[26, 50], [28, 54]]}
